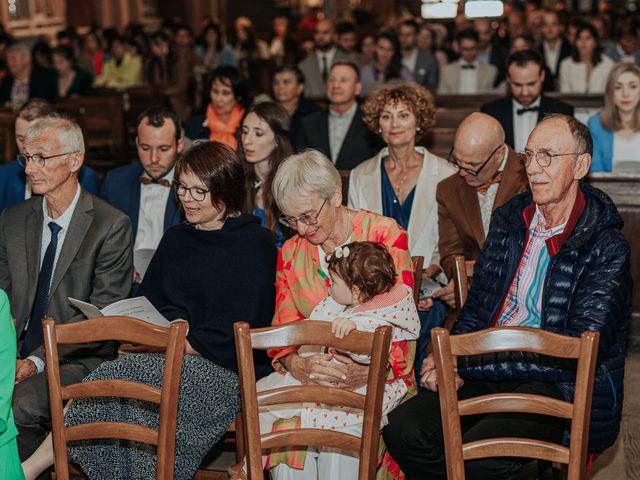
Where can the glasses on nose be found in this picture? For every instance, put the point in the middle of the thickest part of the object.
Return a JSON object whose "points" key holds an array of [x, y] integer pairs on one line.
{"points": [[308, 219], [197, 193], [543, 158], [474, 173], [37, 159]]}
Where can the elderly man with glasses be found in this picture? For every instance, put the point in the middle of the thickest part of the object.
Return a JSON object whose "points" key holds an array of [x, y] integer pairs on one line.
{"points": [[489, 174], [554, 259], [63, 242]]}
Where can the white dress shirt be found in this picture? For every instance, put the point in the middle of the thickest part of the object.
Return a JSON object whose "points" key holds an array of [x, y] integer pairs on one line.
{"points": [[486, 200], [63, 221], [625, 153], [329, 55], [551, 55], [523, 124], [468, 78], [410, 60], [338, 127], [153, 203]]}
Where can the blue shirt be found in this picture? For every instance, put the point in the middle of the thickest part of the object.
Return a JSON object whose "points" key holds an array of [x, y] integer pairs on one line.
{"points": [[391, 206]]}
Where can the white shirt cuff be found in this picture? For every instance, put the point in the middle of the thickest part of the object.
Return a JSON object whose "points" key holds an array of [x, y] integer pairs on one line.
{"points": [[38, 362]]}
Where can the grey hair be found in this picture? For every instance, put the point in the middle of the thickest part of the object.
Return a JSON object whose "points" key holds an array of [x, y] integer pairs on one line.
{"points": [[21, 48], [67, 130], [306, 173], [579, 131]]}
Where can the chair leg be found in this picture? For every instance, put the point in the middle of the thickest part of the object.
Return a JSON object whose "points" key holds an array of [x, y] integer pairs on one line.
{"points": [[240, 446]]}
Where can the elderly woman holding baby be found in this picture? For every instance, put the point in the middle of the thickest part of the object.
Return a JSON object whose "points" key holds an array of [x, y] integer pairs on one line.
{"points": [[307, 189]]}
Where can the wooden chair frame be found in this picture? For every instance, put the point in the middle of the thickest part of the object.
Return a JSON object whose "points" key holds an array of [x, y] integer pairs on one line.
{"points": [[462, 279], [309, 332], [418, 265], [534, 340], [122, 329]]}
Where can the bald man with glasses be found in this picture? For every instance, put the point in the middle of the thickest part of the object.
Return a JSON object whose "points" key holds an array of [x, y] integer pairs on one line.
{"points": [[489, 174]]}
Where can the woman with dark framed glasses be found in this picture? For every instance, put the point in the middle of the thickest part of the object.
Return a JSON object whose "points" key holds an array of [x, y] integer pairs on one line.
{"points": [[308, 190]]}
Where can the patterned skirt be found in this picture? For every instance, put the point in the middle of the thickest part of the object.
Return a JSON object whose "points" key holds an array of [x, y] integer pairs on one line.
{"points": [[209, 400]]}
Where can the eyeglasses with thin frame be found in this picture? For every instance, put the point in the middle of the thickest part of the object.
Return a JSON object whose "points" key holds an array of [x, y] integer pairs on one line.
{"points": [[474, 173], [38, 159], [197, 193], [307, 219], [543, 158]]}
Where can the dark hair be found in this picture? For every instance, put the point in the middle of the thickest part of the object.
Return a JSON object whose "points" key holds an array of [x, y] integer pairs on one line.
{"points": [[363, 38], [230, 76], [346, 63], [468, 34], [290, 68], [278, 120], [596, 57], [158, 36], [156, 117], [202, 39], [410, 23], [35, 108], [523, 57], [66, 52], [579, 131], [345, 27], [395, 66], [368, 266], [183, 26], [526, 37], [219, 168], [626, 28]]}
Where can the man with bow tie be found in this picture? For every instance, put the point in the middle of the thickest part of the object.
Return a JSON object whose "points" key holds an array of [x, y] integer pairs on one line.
{"points": [[489, 174], [467, 75], [143, 190], [520, 112]]}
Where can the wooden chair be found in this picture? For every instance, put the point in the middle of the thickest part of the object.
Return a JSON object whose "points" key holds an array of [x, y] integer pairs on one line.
{"points": [[462, 279], [418, 265], [494, 340], [122, 329], [310, 332]]}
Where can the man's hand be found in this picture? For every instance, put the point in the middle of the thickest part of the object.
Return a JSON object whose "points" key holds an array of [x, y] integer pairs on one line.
{"points": [[429, 376], [24, 370], [432, 271], [446, 294]]}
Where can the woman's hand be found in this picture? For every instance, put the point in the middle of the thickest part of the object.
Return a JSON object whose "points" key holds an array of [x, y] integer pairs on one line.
{"points": [[354, 376], [311, 370]]}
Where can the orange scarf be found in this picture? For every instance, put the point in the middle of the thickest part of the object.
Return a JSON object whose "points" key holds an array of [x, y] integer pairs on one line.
{"points": [[221, 131]]}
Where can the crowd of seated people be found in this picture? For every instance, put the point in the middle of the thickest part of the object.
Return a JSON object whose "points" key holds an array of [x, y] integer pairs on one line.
{"points": [[238, 195]]}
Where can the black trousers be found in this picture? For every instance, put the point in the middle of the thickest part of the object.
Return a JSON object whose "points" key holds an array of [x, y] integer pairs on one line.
{"points": [[414, 433]]}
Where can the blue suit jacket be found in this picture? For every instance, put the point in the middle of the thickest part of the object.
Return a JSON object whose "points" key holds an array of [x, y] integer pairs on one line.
{"points": [[121, 189], [13, 181], [602, 158]]}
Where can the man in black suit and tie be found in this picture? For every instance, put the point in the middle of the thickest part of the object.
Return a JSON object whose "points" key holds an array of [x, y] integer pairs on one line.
{"points": [[25, 81], [339, 132], [526, 106], [554, 47]]}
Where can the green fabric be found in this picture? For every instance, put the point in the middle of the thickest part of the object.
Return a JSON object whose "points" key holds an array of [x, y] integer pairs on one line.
{"points": [[10, 468]]}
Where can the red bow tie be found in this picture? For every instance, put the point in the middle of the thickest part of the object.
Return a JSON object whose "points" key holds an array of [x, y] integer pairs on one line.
{"points": [[148, 181], [483, 188]]}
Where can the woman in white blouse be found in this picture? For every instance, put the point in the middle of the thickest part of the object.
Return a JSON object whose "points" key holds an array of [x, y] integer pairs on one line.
{"points": [[587, 69], [616, 130]]}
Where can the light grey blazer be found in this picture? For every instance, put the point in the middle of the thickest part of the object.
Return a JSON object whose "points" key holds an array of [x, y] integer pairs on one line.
{"points": [[365, 192], [450, 78], [95, 264]]}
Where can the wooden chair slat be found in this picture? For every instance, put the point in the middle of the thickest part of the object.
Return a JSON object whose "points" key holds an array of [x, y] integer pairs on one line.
{"points": [[106, 430], [418, 265], [311, 394], [112, 388], [515, 402], [515, 447], [125, 329], [310, 437]]}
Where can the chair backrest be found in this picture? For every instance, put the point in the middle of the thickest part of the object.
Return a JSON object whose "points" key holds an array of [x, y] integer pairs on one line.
{"points": [[122, 329], [309, 332], [462, 279], [418, 265], [534, 340]]}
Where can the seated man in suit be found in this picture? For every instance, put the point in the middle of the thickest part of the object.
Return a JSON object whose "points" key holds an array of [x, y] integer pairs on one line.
{"points": [[63, 242], [421, 64], [143, 190], [554, 47], [489, 50], [490, 173], [554, 259], [14, 184], [526, 105], [467, 75], [340, 133], [25, 81]]}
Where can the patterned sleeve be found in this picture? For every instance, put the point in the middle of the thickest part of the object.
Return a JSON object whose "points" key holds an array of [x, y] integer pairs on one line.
{"points": [[395, 239]]}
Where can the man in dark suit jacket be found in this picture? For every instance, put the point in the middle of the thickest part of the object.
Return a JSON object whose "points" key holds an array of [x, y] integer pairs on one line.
{"points": [[62, 243], [14, 187], [143, 190], [526, 106], [339, 132], [553, 47], [421, 64], [466, 201], [489, 50], [36, 82]]}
